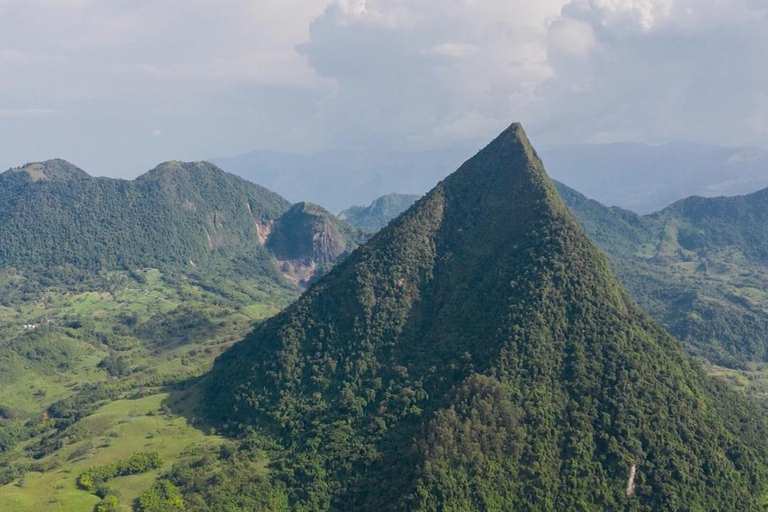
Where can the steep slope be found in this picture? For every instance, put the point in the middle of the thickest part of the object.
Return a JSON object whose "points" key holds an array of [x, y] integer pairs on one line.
{"points": [[700, 267], [378, 214], [177, 214], [308, 240], [478, 354]]}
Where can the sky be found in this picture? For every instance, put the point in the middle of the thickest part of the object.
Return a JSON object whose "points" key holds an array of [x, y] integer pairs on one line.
{"points": [[117, 86]]}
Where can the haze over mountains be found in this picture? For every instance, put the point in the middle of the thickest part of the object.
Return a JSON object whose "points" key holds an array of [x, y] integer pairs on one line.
{"points": [[638, 177], [478, 353], [375, 216]]}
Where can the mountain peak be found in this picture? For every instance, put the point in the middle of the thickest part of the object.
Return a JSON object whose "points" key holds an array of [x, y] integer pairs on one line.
{"points": [[49, 170], [479, 350], [177, 168], [508, 155]]}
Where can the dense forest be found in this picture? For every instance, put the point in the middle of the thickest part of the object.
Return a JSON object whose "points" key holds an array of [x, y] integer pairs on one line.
{"points": [[479, 353], [177, 214], [699, 267]]}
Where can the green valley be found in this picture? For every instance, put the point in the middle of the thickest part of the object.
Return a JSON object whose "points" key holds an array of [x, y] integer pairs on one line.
{"points": [[113, 294]]}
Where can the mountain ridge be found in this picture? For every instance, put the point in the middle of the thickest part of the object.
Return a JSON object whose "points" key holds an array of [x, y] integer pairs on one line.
{"points": [[697, 266], [378, 214], [56, 169], [479, 352]]}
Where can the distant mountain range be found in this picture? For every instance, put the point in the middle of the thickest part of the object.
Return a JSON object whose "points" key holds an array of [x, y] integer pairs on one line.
{"points": [[479, 354], [645, 178], [335, 179], [378, 214], [638, 177]]}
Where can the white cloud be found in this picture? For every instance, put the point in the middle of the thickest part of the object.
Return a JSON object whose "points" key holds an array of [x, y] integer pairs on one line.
{"points": [[232, 75], [627, 15], [571, 38], [453, 49]]}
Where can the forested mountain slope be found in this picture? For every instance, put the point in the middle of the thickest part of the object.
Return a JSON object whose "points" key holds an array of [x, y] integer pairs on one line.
{"points": [[177, 214], [700, 267], [478, 353], [113, 291]]}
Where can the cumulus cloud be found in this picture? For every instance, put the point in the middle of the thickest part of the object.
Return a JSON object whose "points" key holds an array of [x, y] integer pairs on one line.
{"points": [[428, 69], [433, 72], [661, 70]]}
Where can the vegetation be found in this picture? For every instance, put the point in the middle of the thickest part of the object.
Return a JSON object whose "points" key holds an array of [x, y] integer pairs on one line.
{"points": [[232, 476], [114, 431], [699, 267], [94, 478], [479, 353], [376, 216], [177, 214]]}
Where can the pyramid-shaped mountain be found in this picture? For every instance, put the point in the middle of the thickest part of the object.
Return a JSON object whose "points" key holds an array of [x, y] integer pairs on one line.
{"points": [[478, 354]]}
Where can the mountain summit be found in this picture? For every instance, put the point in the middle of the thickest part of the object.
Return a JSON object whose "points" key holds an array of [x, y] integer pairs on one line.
{"points": [[478, 354], [49, 170]]}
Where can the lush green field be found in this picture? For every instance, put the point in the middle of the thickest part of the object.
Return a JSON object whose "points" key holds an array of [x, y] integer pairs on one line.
{"points": [[115, 431], [90, 374]]}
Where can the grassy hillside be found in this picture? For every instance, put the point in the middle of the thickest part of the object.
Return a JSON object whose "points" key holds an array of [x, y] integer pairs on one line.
{"points": [[85, 383], [112, 294]]}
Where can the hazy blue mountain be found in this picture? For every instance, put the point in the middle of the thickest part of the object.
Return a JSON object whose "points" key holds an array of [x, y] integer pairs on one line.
{"points": [[375, 216], [336, 179], [638, 177], [645, 178]]}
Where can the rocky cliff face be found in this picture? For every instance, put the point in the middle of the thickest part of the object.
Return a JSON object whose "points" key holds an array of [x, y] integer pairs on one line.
{"points": [[307, 240]]}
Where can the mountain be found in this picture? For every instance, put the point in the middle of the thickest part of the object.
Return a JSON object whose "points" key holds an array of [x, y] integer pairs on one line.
{"points": [[178, 214], [51, 170], [338, 177], [181, 214], [640, 177], [112, 292], [646, 178], [479, 354], [378, 214], [700, 267], [308, 240]]}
